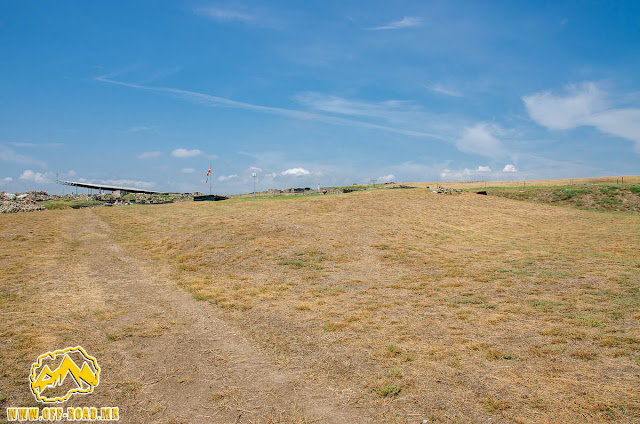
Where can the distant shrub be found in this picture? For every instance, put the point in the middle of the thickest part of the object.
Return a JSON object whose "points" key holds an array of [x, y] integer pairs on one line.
{"points": [[54, 206], [567, 194], [388, 390]]}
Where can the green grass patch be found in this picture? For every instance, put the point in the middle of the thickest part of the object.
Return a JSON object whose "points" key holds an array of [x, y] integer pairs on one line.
{"points": [[588, 320], [468, 300], [388, 390], [69, 204]]}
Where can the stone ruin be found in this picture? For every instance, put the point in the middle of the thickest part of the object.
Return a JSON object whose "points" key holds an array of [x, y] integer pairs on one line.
{"points": [[442, 190], [25, 202], [32, 200]]}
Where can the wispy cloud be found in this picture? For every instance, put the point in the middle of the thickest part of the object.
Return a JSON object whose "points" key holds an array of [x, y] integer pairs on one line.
{"points": [[163, 73], [448, 91], [386, 178], [224, 15], [8, 155], [406, 22], [123, 70], [482, 140], [18, 144], [339, 105], [482, 173], [216, 101], [7, 179], [584, 105], [227, 177], [188, 170], [149, 155], [400, 115], [255, 17], [139, 128], [185, 153]]}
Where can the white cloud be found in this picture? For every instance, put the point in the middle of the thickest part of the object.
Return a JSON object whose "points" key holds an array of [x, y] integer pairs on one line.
{"points": [[509, 168], [139, 128], [217, 101], [386, 178], [402, 115], [480, 140], [7, 179], [71, 173], [584, 105], [480, 173], [255, 169], [374, 109], [224, 15], [35, 177], [149, 155], [296, 171], [161, 74], [624, 123], [187, 170], [406, 22], [259, 17], [227, 177], [8, 155], [447, 173], [565, 112], [184, 153], [19, 144], [449, 91]]}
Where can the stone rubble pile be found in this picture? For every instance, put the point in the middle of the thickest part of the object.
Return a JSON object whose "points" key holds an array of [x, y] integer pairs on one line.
{"points": [[10, 203], [152, 199], [31, 200], [442, 190]]}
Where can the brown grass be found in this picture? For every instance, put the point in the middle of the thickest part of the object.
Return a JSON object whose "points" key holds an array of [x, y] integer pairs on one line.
{"points": [[33, 250], [628, 179], [455, 308]]}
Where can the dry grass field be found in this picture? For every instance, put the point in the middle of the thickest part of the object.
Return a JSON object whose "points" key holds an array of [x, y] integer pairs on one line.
{"points": [[393, 306], [626, 179]]}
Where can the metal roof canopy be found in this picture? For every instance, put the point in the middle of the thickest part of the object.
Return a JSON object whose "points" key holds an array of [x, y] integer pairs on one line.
{"points": [[109, 187]]}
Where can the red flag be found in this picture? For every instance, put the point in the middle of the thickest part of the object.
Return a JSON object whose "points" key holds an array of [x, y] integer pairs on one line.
{"points": [[208, 173]]}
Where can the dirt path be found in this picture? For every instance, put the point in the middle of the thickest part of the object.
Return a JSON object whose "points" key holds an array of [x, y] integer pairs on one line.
{"points": [[168, 358]]}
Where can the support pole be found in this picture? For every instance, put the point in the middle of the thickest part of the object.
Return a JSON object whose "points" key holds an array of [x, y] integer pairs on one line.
{"points": [[254, 175]]}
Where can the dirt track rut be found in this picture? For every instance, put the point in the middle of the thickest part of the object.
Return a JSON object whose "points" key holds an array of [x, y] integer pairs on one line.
{"points": [[169, 358]]}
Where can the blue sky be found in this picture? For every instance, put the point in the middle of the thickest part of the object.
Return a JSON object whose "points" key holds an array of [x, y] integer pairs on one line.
{"points": [[150, 93]]}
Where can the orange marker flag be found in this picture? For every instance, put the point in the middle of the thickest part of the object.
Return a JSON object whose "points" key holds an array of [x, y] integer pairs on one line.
{"points": [[208, 173]]}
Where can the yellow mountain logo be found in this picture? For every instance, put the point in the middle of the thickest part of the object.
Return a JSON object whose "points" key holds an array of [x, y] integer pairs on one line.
{"points": [[49, 374]]}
